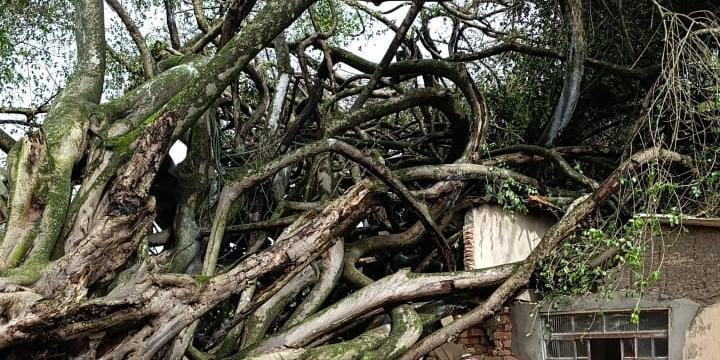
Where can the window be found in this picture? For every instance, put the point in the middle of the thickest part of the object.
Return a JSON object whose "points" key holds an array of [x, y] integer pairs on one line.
{"points": [[606, 336]]}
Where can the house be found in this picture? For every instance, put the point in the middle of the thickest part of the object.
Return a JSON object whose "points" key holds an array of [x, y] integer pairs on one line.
{"points": [[679, 314]]}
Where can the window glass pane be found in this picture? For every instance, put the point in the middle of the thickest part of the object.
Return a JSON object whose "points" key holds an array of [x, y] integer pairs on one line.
{"points": [[618, 322], [653, 320], [561, 323], [578, 330], [581, 346], [644, 347], [588, 323], [561, 348], [628, 347], [661, 347]]}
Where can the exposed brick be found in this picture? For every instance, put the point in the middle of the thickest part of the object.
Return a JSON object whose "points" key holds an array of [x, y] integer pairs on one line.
{"points": [[492, 339]]}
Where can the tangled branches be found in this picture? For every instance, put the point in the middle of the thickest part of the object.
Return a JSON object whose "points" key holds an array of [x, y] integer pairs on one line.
{"points": [[317, 211]]}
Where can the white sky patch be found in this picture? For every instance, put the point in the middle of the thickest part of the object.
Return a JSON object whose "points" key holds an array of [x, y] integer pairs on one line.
{"points": [[374, 49], [178, 152]]}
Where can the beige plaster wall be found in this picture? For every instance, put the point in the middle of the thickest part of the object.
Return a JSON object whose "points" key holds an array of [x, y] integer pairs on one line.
{"points": [[493, 237], [703, 337]]}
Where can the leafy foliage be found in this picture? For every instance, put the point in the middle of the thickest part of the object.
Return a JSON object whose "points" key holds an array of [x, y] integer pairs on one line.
{"points": [[35, 48]]}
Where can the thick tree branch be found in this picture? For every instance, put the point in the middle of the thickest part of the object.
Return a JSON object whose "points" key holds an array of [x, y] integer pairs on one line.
{"points": [[463, 172], [251, 178], [556, 156], [407, 327], [645, 73], [260, 320], [138, 39], [41, 167], [6, 142], [331, 268], [401, 286], [171, 23], [87, 80], [28, 112], [128, 111], [575, 68], [380, 242], [199, 12], [237, 11], [409, 99]]}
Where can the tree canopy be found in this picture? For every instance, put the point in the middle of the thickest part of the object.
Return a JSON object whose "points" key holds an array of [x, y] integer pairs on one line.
{"points": [[324, 154]]}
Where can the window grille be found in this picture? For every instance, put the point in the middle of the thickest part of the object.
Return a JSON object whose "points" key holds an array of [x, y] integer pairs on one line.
{"points": [[606, 336]]}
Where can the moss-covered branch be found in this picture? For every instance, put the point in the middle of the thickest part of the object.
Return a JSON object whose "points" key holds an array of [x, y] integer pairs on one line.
{"points": [[401, 286], [348, 350], [407, 326], [40, 188]]}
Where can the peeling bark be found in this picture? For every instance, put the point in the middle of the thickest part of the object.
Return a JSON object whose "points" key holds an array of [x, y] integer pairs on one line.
{"points": [[145, 299], [121, 222]]}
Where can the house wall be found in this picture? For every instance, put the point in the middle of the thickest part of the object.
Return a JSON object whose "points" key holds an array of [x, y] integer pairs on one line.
{"points": [[528, 325], [493, 237], [703, 339], [688, 264], [689, 287]]}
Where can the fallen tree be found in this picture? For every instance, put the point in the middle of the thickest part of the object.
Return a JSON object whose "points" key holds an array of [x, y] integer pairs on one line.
{"points": [[317, 211]]}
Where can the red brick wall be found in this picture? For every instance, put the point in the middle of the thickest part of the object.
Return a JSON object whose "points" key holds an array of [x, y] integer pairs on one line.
{"points": [[491, 340]]}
